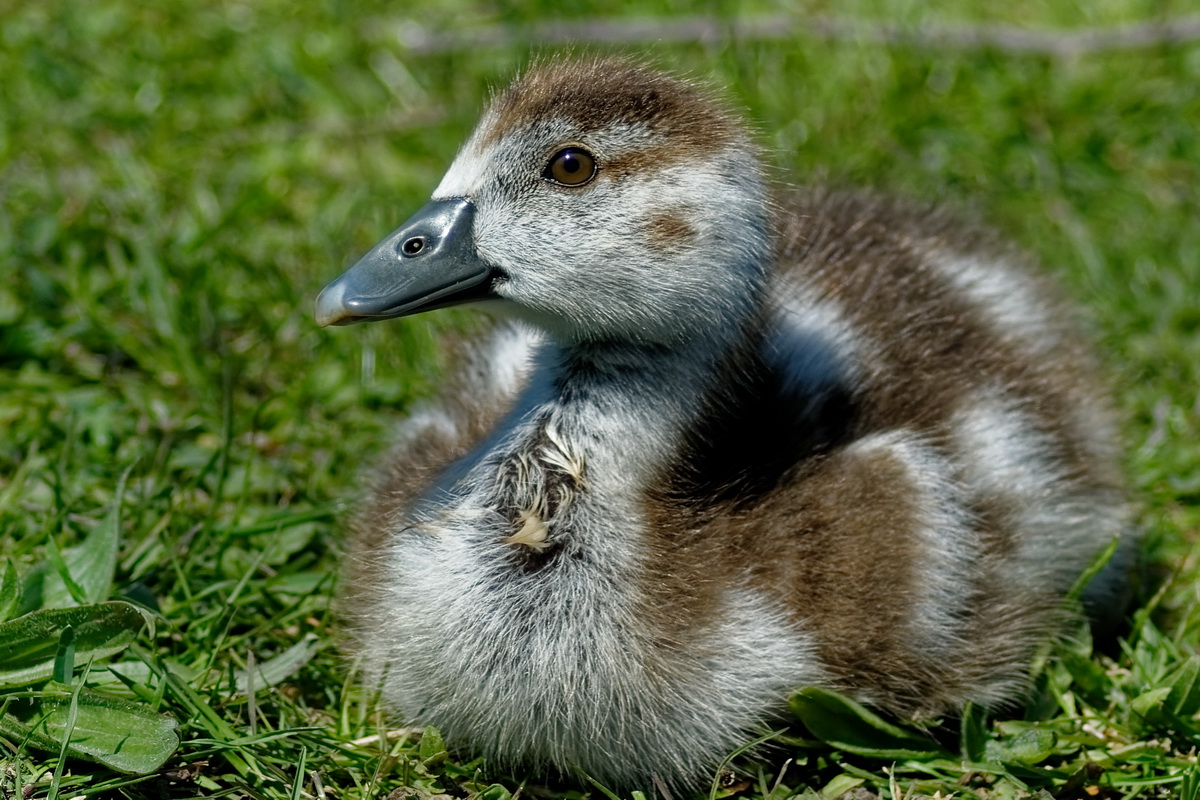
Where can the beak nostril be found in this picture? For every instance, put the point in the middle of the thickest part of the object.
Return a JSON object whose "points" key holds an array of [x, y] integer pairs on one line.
{"points": [[413, 246]]}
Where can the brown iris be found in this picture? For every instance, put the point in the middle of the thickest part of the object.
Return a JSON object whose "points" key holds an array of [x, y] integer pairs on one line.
{"points": [[571, 166]]}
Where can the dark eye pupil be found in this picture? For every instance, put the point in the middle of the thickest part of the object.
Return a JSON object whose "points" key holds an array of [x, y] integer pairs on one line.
{"points": [[572, 166]]}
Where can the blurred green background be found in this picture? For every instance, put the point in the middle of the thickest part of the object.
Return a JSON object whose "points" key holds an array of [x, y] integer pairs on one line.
{"points": [[177, 182]]}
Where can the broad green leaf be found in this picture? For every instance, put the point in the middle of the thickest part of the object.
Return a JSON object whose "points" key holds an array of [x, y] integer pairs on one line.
{"points": [[29, 645], [1174, 700], [10, 590], [124, 736], [841, 785], [1184, 699], [278, 669], [1030, 746], [89, 567], [495, 791], [59, 589], [1147, 703], [120, 676], [64, 739], [841, 722], [432, 747], [1088, 676]]}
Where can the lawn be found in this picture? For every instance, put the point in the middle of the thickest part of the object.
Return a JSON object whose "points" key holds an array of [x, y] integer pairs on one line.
{"points": [[177, 182]]}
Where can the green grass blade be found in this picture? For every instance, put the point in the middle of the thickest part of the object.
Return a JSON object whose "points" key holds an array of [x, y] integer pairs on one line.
{"points": [[64, 659], [298, 780], [59, 587], [204, 714], [10, 590], [66, 728], [278, 669]]}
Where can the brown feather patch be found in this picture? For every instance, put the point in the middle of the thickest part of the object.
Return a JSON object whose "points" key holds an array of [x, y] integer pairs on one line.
{"points": [[834, 537], [598, 93], [669, 230]]}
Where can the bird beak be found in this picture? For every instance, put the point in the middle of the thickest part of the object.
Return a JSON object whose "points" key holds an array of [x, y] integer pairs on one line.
{"points": [[428, 262]]}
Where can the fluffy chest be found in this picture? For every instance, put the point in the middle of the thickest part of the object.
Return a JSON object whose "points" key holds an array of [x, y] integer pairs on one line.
{"points": [[524, 508], [522, 607]]}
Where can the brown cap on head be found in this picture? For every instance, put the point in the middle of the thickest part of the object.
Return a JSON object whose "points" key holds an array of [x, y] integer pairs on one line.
{"points": [[599, 92]]}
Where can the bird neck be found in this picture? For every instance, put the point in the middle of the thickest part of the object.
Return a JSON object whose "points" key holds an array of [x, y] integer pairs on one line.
{"points": [[633, 402]]}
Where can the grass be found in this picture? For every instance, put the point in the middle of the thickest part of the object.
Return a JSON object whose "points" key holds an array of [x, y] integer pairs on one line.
{"points": [[178, 181]]}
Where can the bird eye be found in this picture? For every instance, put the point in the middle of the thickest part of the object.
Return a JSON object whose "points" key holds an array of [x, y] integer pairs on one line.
{"points": [[571, 166]]}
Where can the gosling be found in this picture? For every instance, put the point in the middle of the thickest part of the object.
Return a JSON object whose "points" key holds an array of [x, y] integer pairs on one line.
{"points": [[729, 441]]}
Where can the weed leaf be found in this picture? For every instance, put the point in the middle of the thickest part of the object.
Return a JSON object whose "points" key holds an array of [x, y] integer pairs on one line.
{"points": [[842, 785], [839, 721], [1147, 703], [85, 574], [121, 735], [29, 645], [432, 749], [1028, 746], [1184, 698]]}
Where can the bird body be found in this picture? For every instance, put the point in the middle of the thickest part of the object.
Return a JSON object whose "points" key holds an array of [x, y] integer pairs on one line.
{"points": [[730, 444]]}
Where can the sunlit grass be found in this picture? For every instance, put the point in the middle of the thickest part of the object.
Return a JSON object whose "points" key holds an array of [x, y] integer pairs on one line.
{"points": [[178, 181]]}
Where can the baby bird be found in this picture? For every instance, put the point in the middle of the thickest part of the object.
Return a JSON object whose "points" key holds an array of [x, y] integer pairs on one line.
{"points": [[731, 441]]}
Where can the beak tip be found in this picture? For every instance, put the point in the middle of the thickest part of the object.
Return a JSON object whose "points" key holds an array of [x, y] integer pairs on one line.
{"points": [[329, 306]]}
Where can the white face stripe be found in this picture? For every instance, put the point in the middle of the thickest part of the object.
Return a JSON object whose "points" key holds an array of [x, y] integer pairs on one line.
{"points": [[584, 263], [466, 172], [475, 164]]}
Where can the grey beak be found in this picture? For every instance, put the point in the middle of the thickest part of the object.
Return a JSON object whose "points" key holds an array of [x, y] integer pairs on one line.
{"points": [[428, 262]]}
